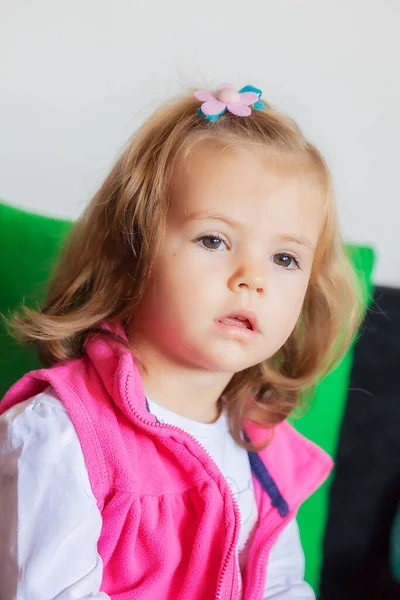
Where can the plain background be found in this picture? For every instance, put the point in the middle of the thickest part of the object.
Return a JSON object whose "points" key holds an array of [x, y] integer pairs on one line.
{"points": [[78, 77]]}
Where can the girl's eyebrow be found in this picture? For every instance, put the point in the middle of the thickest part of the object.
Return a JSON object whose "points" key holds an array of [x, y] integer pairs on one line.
{"points": [[301, 240], [205, 214]]}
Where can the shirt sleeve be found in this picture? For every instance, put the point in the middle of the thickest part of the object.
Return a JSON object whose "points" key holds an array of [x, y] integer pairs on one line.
{"points": [[49, 520], [285, 569]]}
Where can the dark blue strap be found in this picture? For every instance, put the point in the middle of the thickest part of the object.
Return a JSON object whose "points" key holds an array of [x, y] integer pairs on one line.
{"points": [[268, 484]]}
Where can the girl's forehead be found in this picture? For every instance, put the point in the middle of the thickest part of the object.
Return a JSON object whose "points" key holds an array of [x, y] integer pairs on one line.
{"points": [[242, 181]]}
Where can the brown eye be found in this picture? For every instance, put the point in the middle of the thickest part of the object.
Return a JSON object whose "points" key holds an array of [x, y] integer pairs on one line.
{"points": [[211, 242], [286, 260]]}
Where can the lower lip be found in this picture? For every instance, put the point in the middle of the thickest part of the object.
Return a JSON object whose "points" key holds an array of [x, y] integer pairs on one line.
{"points": [[236, 331]]}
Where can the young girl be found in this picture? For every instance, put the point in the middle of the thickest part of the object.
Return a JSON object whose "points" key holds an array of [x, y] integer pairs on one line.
{"points": [[204, 287]]}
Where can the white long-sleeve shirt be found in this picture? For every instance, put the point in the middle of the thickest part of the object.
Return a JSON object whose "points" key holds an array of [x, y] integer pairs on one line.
{"points": [[50, 523]]}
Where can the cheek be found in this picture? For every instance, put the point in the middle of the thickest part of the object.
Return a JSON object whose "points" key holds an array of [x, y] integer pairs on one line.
{"points": [[288, 301], [296, 303], [180, 284], [193, 270], [290, 286], [281, 321]]}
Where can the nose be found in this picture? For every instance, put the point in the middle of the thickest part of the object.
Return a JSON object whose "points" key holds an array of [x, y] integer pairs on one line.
{"points": [[251, 276]]}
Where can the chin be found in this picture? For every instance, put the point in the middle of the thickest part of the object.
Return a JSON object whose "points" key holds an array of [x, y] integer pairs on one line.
{"points": [[228, 365]]}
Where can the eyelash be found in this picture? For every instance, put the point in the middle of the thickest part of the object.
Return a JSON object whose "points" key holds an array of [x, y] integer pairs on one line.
{"points": [[293, 258], [216, 236]]}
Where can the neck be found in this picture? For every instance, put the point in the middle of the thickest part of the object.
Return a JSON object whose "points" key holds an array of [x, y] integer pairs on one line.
{"points": [[191, 392]]}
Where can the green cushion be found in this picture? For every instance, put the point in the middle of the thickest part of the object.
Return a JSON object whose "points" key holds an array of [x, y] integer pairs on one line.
{"points": [[29, 245]]}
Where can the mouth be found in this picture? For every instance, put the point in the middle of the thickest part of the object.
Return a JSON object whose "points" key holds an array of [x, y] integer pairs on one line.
{"points": [[243, 319]]}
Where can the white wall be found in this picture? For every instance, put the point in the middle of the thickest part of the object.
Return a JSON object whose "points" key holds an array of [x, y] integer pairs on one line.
{"points": [[78, 76]]}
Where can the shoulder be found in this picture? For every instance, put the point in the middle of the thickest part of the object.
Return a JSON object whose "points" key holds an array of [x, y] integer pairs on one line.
{"points": [[300, 449], [42, 416], [39, 433], [283, 440]]}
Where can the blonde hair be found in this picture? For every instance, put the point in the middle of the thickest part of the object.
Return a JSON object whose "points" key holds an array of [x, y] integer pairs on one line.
{"points": [[110, 253]]}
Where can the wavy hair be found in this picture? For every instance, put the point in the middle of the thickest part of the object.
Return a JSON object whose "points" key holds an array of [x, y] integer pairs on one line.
{"points": [[110, 253]]}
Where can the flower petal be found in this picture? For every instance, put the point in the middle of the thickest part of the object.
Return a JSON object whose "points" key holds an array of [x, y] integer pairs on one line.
{"points": [[226, 85], [248, 98], [203, 95], [213, 107], [238, 109]]}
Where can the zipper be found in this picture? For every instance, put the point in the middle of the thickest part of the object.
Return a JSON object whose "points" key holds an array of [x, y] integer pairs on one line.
{"points": [[267, 546], [272, 536], [236, 510]]}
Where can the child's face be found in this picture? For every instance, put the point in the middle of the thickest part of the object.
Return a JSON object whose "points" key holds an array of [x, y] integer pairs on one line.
{"points": [[252, 267]]}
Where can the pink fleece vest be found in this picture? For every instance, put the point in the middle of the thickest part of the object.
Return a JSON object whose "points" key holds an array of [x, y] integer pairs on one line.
{"points": [[170, 522]]}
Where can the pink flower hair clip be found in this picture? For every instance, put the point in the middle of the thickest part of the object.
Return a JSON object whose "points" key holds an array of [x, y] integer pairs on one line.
{"points": [[228, 98]]}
